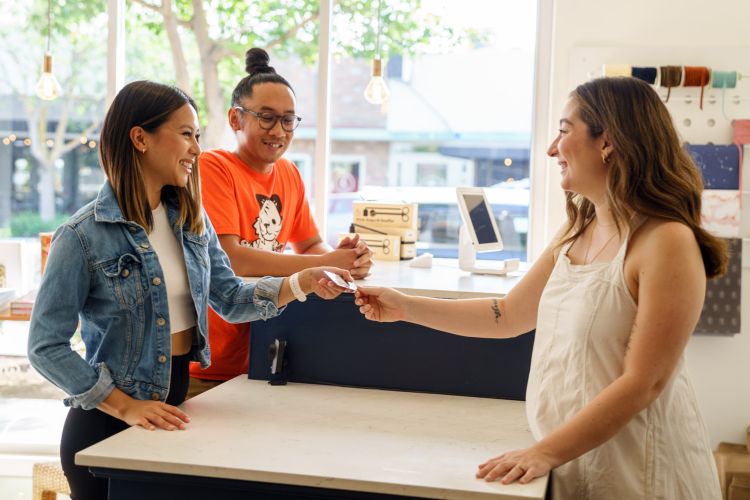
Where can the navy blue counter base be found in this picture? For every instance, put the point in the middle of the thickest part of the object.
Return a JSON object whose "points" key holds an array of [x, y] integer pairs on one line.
{"points": [[330, 342], [127, 485]]}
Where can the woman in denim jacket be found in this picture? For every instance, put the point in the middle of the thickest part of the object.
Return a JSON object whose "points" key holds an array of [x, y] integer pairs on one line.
{"points": [[138, 268]]}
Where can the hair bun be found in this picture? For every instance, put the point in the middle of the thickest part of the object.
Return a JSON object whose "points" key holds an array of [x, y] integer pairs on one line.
{"points": [[256, 61]]}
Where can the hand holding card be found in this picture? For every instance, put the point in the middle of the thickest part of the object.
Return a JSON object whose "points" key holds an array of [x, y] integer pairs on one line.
{"points": [[350, 286]]}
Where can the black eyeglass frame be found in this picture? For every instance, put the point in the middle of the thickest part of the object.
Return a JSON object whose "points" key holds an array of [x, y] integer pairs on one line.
{"points": [[276, 118]]}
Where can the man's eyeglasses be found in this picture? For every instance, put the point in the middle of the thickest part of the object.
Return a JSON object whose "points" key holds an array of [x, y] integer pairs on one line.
{"points": [[267, 121]]}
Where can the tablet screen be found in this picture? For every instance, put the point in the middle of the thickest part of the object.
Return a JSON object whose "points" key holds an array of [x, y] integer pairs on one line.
{"points": [[480, 217]]}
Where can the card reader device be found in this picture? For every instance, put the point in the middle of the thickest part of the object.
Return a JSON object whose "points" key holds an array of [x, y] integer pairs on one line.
{"points": [[276, 355], [479, 233]]}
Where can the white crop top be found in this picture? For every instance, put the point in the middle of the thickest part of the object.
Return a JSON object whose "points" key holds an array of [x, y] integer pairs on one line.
{"points": [[180, 301]]}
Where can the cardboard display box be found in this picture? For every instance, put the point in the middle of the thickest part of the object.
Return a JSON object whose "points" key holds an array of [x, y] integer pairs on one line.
{"points": [[733, 461], [407, 234], [386, 214], [383, 246], [739, 488], [17, 262], [408, 250]]}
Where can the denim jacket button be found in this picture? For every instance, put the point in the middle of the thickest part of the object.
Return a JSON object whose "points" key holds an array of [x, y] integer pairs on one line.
{"points": [[145, 246], [155, 396], [156, 281], [124, 273], [162, 359], [161, 322], [131, 229]]}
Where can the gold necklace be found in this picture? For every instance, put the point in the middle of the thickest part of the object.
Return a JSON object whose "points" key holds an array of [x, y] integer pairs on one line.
{"points": [[591, 240]]}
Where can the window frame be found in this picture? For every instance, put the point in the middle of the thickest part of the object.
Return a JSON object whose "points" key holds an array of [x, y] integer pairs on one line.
{"points": [[539, 201], [540, 232]]}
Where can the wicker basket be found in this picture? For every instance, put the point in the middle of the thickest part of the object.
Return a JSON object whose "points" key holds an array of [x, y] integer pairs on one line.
{"points": [[48, 479]]}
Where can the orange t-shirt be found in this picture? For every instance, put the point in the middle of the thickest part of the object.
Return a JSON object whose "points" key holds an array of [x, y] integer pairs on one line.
{"points": [[266, 211]]}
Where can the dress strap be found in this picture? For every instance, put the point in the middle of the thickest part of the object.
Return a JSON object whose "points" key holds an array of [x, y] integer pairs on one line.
{"points": [[566, 247], [639, 220]]}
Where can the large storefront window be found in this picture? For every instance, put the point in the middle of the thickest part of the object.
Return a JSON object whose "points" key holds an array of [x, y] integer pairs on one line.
{"points": [[48, 169], [459, 114], [48, 149], [460, 78], [204, 54]]}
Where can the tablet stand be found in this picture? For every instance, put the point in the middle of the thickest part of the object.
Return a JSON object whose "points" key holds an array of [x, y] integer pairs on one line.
{"points": [[467, 258]]}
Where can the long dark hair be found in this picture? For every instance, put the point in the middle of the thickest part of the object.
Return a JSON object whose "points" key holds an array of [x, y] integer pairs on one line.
{"points": [[147, 105], [258, 71], [649, 172]]}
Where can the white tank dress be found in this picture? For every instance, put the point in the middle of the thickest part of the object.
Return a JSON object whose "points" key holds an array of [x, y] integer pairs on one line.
{"points": [[585, 318]]}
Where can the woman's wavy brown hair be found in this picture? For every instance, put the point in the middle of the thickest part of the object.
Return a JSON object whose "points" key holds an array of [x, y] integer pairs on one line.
{"points": [[649, 172], [148, 105]]}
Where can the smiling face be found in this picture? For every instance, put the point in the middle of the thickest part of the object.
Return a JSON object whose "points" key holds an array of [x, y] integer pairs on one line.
{"points": [[259, 148], [580, 156], [171, 151]]}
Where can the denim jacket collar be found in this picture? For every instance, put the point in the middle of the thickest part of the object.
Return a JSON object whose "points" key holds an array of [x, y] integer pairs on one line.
{"points": [[106, 208]]}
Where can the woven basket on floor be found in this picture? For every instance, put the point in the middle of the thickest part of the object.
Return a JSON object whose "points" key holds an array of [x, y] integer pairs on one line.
{"points": [[48, 479]]}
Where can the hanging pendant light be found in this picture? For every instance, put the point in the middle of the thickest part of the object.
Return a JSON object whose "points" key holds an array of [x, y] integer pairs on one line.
{"points": [[376, 91], [48, 88]]}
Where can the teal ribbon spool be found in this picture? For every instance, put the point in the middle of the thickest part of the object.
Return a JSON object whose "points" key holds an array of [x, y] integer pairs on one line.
{"points": [[724, 79]]}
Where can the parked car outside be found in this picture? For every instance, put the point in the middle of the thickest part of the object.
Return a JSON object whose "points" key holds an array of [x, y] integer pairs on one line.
{"points": [[439, 217]]}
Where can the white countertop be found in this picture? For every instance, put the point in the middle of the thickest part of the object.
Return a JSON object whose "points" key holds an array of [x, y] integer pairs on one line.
{"points": [[332, 437], [443, 280]]}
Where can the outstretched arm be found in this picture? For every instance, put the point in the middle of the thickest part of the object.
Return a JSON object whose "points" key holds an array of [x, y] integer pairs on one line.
{"points": [[488, 317], [671, 281], [247, 261], [314, 280]]}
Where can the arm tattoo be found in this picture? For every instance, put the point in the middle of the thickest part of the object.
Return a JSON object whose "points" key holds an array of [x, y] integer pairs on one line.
{"points": [[496, 310]]}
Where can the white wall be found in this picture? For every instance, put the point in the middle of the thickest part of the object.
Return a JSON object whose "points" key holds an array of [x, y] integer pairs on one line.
{"points": [[720, 367]]}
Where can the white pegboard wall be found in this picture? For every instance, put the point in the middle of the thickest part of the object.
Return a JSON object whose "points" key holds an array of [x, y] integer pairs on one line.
{"points": [[710, 125]]}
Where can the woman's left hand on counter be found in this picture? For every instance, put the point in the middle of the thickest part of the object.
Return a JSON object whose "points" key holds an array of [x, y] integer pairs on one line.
{"points": [[517, 465]]}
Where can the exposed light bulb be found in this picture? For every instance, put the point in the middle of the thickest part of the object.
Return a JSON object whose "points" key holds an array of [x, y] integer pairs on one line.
{"points": [[47, 88], [386, 106], [376, 91]]}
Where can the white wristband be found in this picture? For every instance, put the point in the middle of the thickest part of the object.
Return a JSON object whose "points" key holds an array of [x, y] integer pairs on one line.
{"points": [[296, 289]]}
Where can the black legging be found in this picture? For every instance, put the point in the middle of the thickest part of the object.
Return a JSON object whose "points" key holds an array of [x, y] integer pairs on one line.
{"points": [[84, 428]]}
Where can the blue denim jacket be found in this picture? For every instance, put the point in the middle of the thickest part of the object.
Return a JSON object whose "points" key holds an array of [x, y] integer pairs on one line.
{"points": [[102, 272]]}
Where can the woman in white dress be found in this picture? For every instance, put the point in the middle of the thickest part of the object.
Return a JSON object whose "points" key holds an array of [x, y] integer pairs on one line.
{"points": [[614, 300]]}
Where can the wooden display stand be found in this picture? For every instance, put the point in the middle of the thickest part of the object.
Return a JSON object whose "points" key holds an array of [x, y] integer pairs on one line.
{"points": [[733, 464], [5, 315]]}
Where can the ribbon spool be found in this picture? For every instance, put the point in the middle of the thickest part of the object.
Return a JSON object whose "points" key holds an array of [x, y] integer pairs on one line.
{"points": [[647, 74], [617, 70], [724, 80], [697, 76], [670, 76], [741, 137]]}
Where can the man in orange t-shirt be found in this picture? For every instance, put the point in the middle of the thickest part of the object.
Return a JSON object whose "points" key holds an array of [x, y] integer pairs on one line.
{"points": [[256, 202]]}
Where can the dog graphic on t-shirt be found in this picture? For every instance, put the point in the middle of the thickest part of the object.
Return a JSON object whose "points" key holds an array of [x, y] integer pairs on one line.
{"points": [[268, 224]]}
